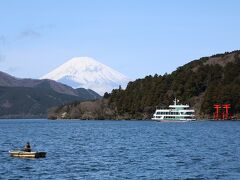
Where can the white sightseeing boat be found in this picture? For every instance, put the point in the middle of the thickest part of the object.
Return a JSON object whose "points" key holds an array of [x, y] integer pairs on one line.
{"points": [[175, 113]]}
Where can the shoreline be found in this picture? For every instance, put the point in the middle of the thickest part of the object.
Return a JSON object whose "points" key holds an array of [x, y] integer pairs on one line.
{"points": [[199, 120]]}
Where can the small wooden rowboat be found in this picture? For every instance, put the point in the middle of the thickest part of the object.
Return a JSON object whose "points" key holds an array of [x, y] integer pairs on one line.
{"points": [[23, 154]]}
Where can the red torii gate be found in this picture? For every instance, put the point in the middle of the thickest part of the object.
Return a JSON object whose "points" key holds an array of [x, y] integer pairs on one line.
{"points": [[225, 114], [226, 107], [216, 113]]}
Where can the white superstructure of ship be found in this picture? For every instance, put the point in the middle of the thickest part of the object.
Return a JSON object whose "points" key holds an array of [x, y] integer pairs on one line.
{"points": [[175, 113]]}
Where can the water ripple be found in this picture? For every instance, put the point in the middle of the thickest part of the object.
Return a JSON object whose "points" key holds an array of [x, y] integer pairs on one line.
{"points": [[121, 150]]}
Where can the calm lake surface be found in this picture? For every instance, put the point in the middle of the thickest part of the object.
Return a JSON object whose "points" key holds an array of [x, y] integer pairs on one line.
{"points": [[121, 150]]}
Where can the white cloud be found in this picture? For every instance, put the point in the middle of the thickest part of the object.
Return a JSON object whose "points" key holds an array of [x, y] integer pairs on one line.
{"points": [[35, 32], [2, 57], [2, 43], [2, 40], [11, 69], [29, 33]]}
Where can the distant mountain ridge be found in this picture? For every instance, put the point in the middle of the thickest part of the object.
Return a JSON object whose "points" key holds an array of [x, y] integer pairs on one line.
{"points": [[21, 98], [86, 72]]}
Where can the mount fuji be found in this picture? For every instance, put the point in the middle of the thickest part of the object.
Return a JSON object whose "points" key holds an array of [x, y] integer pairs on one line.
{"points": [[86, 72]]}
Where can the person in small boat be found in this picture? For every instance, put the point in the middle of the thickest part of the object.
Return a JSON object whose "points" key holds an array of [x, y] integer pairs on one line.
{"points": [[27, 147]]}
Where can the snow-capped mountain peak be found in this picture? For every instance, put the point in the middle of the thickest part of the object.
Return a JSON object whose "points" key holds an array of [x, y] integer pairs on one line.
{"points": [[88, 73]]}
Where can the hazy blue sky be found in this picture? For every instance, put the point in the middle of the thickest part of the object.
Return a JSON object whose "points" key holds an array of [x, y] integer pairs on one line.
{"points": [[135, 37]]}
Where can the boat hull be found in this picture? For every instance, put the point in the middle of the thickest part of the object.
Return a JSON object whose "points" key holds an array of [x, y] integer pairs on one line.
{"points": [[173, 120], [23, 154]]}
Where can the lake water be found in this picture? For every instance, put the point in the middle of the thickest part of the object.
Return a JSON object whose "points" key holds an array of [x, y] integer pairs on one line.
{"points": [[121, 150]]}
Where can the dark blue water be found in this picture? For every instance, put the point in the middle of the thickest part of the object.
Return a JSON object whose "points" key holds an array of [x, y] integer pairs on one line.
{"points": [[121, 150]]}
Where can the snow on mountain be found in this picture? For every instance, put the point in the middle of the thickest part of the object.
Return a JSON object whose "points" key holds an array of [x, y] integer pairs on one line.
{"points": [[86, 72]]}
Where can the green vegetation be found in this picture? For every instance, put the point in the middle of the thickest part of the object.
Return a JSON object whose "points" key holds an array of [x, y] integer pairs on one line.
{"points": [[200, 83]]}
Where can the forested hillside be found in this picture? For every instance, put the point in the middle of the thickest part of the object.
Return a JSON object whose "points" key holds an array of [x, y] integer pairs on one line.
{"points": [[200, 83]]}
